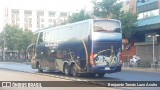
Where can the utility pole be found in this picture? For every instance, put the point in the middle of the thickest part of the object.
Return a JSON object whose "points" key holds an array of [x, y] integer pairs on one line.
{"points": [[4, 45], [153, 39], [4, 42], [153, 47]]}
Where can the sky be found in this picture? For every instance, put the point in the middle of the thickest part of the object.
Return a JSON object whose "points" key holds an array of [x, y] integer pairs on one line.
{"points": [[54, 5], [58, 5]]}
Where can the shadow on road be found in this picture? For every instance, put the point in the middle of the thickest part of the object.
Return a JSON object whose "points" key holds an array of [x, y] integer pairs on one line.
{"points": [[83, 76]]}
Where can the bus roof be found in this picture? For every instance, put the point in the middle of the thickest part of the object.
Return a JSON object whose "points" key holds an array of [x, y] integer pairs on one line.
{"points": [[69, 24]]}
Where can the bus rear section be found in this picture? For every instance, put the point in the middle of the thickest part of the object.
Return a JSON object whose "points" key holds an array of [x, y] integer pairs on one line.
{"points": [[105, 56]]}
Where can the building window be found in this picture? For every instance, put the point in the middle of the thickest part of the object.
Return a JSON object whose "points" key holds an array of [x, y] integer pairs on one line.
{"points": [[42, 25], [30, 19], [52, 14], [26, 25], [50, 25], [140, 16], [63, 14], [17, 18], [30, 25], [155, 12], [12, 16], [38, 25], [145, 14], [27, 12], [42, 19], [50, 20], [13, 21], [148, 14]]}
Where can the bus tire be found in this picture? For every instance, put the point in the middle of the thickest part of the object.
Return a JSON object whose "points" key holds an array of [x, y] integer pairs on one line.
{"points": [[101, 75], [67, 70], [74, 71], [40, 70]]}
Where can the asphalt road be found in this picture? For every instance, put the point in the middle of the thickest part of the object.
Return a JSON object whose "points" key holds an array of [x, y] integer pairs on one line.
{"points": [[15, 76], [18, 71], [124, 75]]}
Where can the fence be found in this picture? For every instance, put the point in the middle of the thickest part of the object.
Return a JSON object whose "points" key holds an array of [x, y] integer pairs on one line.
{"points": [[142, 64]]}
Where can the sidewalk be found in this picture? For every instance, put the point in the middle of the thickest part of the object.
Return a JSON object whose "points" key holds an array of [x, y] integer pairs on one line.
{"points": [[141, 69]]}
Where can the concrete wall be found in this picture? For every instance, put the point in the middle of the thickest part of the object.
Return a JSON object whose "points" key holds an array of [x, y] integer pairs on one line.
{"points": [[146, 52]]}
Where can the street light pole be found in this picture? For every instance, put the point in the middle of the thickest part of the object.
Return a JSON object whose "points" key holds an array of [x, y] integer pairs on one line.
{"points": [[153, 47], [153, 39]]}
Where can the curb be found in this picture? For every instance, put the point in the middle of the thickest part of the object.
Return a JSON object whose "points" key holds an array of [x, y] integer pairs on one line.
{"points": [[142, 69]]}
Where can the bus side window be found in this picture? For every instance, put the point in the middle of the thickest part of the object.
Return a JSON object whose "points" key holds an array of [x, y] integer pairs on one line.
{"points": [[40, 38]]}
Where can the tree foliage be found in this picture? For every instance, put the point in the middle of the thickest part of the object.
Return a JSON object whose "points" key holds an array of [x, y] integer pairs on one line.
{"points": [[106, 8], [16, 38], [111, 9], [128, 21], [82, 15]]}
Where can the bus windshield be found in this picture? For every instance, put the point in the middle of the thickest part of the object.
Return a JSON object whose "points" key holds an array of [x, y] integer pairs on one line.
{"points": [[106, 26]]}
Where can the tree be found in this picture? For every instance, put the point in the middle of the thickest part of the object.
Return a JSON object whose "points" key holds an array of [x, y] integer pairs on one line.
{"points": [[1, 40], [106, 8], [111, 9], [82, 15], [16, 38], [128, 21], [12, 36]]}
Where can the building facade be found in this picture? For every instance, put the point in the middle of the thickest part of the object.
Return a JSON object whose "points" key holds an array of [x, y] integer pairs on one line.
{"points": [[147, 36], [33, 19]]}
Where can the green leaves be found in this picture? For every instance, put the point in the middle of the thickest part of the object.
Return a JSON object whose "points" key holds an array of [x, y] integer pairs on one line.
{"points": [[111, 9], [82, 15], [16, 38], [128, 20], [106, 8]]}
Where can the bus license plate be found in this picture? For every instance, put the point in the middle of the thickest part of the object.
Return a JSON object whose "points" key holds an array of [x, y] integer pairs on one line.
{"points": [[107, 68]]}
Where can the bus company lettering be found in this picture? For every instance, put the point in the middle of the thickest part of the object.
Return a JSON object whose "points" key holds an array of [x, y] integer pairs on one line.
{"points": [[18, 84], [14, 84], [55, 44], [34, 85]]}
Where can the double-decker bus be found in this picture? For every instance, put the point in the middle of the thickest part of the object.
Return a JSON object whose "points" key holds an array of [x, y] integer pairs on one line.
{"points": [[89, 46]]}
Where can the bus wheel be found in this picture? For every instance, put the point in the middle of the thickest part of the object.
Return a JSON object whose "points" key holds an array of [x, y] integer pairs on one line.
{"points": [[74, 70], [40, 70], [101, 74], [66, 69]]}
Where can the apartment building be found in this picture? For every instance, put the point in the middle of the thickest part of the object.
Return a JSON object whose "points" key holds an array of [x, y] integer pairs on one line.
{"points": [[33, 19], [147, 32]]}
